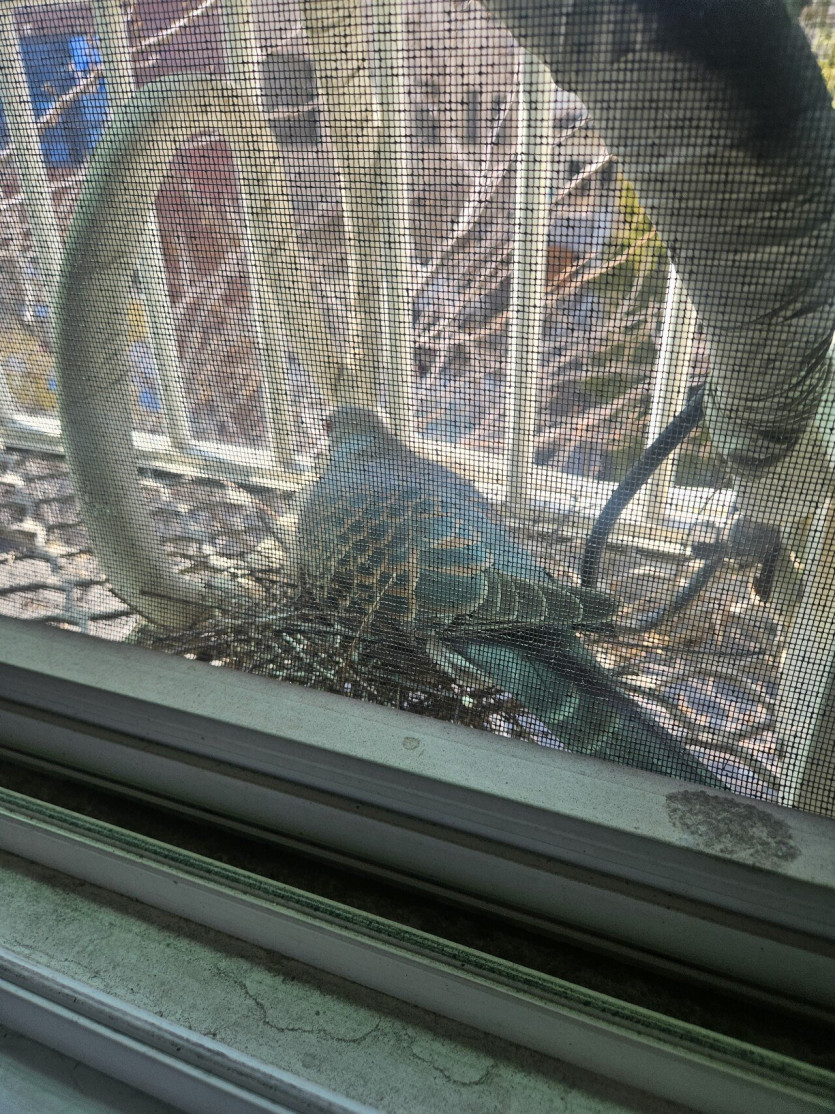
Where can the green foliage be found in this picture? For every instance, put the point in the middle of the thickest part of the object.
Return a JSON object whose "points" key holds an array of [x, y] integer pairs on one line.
{"points": [[635, 254], [649, 257], [610, 384], [821, 30], [28, 369], [635, 221], [699, 465]]}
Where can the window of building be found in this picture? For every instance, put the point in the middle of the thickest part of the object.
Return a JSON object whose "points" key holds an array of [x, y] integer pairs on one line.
{"points": [[289, 91]]}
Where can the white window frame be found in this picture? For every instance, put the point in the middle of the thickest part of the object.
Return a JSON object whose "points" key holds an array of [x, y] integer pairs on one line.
{"points": [[560, 837], [625, 860], [632, 863]]}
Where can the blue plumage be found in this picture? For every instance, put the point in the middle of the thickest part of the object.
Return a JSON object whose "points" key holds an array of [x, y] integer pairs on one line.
{"points": [[385, 532]]}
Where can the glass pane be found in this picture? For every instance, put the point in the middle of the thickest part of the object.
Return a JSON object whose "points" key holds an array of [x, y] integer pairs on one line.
{"points": [[463, 285]]}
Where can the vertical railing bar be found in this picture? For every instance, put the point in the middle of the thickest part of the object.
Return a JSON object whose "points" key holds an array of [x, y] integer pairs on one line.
{"points": [[271, 341], [806, 697], [533, 171], [34, 180], [8, 410], [675, 355], [805, 710], [396, 233], [23, 132], [120, 83], [241, 46]]}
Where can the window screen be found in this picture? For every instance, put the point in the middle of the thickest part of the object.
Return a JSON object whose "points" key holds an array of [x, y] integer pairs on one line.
{"points": [[470, 359]]}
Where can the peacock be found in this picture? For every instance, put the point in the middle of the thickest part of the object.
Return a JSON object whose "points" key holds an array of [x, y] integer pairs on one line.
{"points": [[385, 533]]}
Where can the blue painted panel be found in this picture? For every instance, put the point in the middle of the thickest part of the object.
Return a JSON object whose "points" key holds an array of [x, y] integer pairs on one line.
{"points": [[93, 106], [54, 64]]}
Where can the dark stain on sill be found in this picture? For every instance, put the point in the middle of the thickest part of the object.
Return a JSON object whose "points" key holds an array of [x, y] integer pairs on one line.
{"points": [[725, 825]]}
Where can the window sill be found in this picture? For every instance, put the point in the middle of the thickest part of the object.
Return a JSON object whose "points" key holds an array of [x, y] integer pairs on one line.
{"points": [[732, 889], [212, 1019]]}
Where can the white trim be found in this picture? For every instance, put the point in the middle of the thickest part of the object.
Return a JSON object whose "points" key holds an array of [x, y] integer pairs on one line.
{"points": [[191, 1072], [678, 1061], [555, 835]]}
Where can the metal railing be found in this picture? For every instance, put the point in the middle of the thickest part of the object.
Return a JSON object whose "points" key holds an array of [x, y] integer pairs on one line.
{"points": [[660, 517]]}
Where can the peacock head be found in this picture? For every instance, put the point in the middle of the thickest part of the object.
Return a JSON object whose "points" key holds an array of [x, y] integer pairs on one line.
{"points": [[359, 430]]}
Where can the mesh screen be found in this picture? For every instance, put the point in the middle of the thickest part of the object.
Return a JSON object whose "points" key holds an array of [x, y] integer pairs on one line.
{"points": [[470, 359]]}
